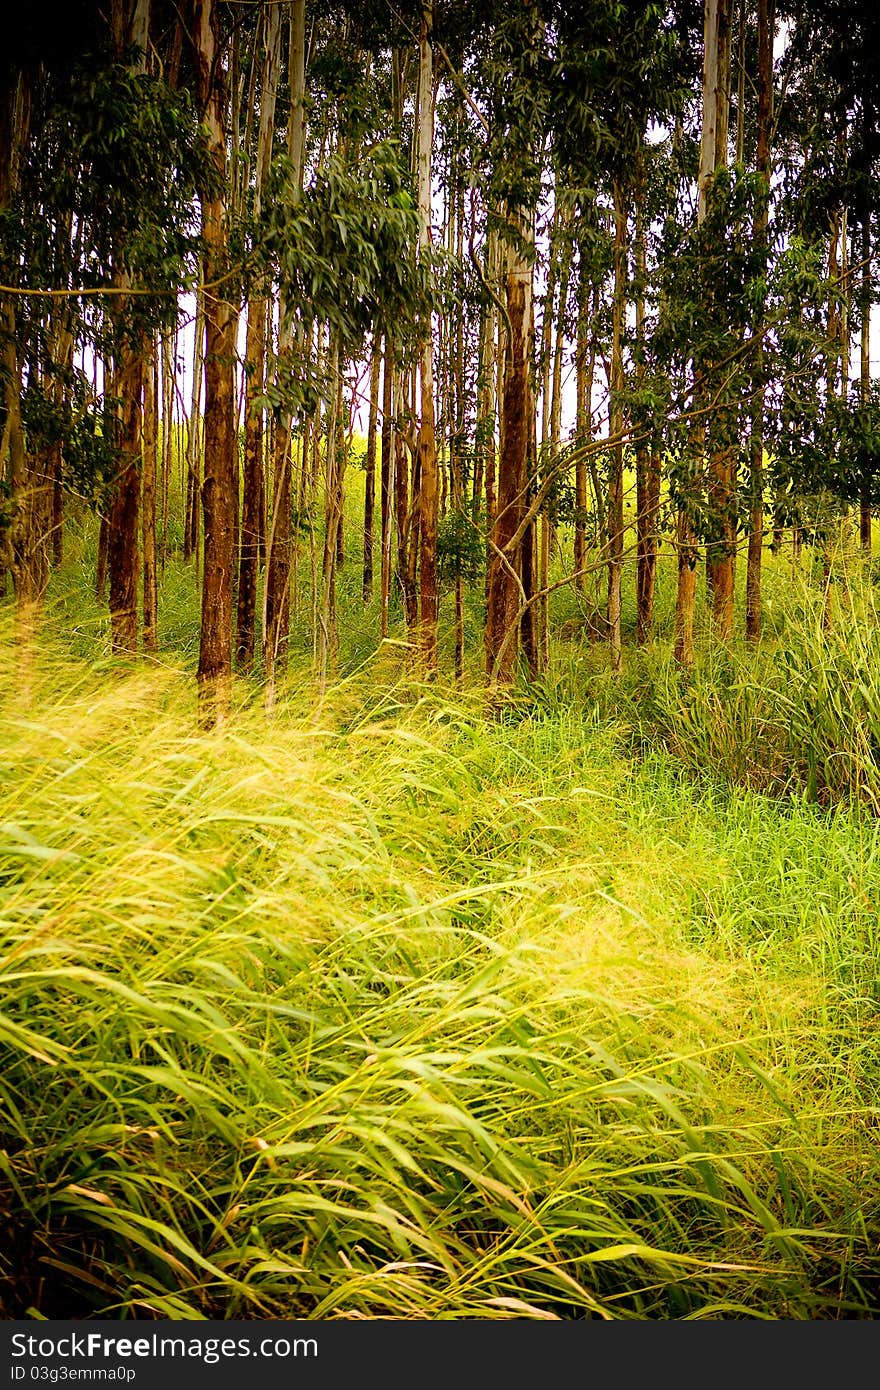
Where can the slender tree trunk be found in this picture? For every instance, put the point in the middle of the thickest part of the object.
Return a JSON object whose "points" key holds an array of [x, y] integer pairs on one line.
{"points": [[218, 487], [588, 308], [428, 476], [832, 379], [130, 26], [340, 474], [20, 545], [387, 482], [647, 457], [615, 482], [544, 371], [169, 358], [327, 636], [505, 587], [123, 517], [370, 471], [194, 439], [406, 503], [148, 508], [484, 472], [528, 627], [276, 615], [766, 27], [721, 552], [63, 326], [716, 15], [865, 368], [101, 565], [255, 367], [687, 588]]}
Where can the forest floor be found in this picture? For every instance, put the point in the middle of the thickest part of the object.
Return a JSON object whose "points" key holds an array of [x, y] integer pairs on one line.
{"points": [[394, 1006]]}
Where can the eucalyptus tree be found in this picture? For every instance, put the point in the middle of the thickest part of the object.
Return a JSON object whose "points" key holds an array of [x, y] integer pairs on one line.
{"points": [[220, 444], [826, 172], [345, 249], [766, 28], [122, 246], [517, 123], [616, 69], [428, 473], [253, 482], [130, 24]]}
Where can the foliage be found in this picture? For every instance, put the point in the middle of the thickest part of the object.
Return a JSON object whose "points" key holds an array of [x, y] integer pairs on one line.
{"points": [[82, 426], [119, 156], [346, 245], [461, 548]]}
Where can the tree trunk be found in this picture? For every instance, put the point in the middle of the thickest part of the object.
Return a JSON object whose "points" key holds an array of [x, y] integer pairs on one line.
{"points": [[194, 439], [865, 368], [370, 471], [588, 306], [687, 588], [21, 541], [406, 504], [766, 27], [276, 621], [255, 368], [123, 565], [148, 508], [63, 335], [647, 456], [218, 487], [715, 105], [327, 635], [504, 585], [615, 482], [101, 563], [721, 550], [484, 472], [130, 26], [168, 358], [386, 484], [428, 478]]}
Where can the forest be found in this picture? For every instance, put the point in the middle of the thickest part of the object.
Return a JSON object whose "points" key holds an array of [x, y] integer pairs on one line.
{"points": [[440, 660]]}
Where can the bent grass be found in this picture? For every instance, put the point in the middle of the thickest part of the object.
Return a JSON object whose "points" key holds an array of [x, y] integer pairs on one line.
{"points": [[392, 1010]]}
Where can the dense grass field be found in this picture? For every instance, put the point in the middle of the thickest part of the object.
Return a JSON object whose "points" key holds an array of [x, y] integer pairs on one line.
{"points": [[398, 1005]]}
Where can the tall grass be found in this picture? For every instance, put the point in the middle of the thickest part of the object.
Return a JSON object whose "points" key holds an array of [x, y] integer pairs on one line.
{"points": [[797, 716], [389, 1009]]}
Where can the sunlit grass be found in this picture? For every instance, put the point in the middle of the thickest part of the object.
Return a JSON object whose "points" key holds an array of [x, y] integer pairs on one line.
{"points": [[385, 1007]]}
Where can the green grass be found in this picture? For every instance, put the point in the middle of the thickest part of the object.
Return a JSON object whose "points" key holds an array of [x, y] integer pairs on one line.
{"points": [[390, 1007]]}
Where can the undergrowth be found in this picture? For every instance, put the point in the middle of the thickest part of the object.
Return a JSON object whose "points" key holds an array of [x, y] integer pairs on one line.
{"points": [[386, 1007]]}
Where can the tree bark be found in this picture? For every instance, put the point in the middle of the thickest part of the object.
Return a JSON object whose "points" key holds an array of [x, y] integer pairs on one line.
{"points": [[865, 367], [276, 623], [218, 486], [21, 541], [194, 439], [386, 483], [504, 586], [647, 456], [123, 566], [615, 482], [721, 550], [255, 370], [327, 635], [428, 477], [148, 508], [588, 305], [766, 27], [406, 506], [370, 472]]}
